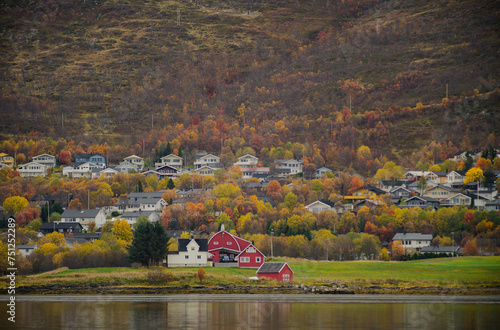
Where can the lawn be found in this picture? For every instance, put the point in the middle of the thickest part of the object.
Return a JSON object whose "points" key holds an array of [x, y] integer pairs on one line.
{"points": [[476, 271]]}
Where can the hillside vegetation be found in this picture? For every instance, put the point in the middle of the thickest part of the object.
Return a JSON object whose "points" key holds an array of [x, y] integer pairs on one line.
{"points": [[122, 71]]}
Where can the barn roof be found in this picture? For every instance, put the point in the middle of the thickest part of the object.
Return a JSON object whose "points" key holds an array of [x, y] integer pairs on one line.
{"points": [[272, 267]]}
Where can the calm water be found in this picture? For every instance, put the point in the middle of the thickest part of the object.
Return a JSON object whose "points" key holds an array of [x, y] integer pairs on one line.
{"points": [[253, 312]]}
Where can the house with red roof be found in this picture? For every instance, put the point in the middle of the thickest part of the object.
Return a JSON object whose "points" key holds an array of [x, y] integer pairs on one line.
{"points": [[227, 248]]}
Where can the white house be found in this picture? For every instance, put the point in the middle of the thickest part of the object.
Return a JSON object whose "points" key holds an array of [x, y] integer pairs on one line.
{"points": [[170, 160], [26, 249], [247, 161], [413, 241], [192, 253], [32, 169], [80, 170], [45, 159], [84, 217], [455, 178], [319, 206], [207, 160], [131, 217], [289, 166], [97, 173], [144, 202], [204, 171], [458, 200], [135, 160]]}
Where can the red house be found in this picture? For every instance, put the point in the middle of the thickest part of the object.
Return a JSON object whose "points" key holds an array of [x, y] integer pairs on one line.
{"points": [[279, 271], [227, 248], [250, 257]]}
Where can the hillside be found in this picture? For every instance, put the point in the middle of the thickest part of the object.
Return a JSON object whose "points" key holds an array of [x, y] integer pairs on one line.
{"points": [[106, 71]]}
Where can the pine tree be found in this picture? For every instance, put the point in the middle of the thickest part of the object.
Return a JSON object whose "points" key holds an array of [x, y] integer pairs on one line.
{"points": [[168, 150], [150, 243], [139, 187], [170, 184]]}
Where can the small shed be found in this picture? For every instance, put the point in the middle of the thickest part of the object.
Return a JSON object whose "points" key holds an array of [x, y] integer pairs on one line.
{"points": [[279, 271]]}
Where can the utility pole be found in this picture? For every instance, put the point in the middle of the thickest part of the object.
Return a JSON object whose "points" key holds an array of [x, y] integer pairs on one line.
{"points": [[178, 17], [88, 201], [152, 126], [446, 90], [350, 101], [272, 232]]}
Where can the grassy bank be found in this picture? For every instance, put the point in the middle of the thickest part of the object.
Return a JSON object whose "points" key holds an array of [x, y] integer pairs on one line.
{"points": [[470, 273]]}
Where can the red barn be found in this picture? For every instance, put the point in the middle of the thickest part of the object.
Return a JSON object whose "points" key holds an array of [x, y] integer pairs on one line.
{"points": [[279, 271], [226, 248], [251, 257]]}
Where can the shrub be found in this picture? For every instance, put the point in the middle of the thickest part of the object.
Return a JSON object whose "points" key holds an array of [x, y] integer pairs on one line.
{"points": [[159, 275]]}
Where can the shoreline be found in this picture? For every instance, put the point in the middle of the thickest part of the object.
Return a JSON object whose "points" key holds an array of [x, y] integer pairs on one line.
{"points": [[113, 289]]}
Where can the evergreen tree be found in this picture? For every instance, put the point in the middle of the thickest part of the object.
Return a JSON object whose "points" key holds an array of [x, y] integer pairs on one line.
{"points": [[168, 150], [489, 179], [181, 153], [170, 184], [150, 243], [468, 162], [139, 187]]}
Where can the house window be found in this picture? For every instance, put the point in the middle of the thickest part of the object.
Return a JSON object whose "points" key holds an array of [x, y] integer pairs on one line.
{"points": [[286, 277], [199, 257], [186, 257], [216, 243], [251, 249], [192, 248], [257, 259], [229, 243], [244, 259]]}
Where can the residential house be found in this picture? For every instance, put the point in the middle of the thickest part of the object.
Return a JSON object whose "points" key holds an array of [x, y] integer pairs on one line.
{"points": [[442, 176], [3, 165], [255, 188], [225, 248], [60, 227], [431, 177], [91, 158], [289, 166], [250, 257], [458, 199], [279, 271], [455, 178], [320, 206], [131, 217], [32, 169], [207, 160], [400, 193], [166, 171], [247, 161], [370, 203], [459, 156], [440, 192], [26, 249], [493, 205], [142, 201], [255, 172], [80, 170], [7, 159], [365, 192], [45, 159], [84, 217], [421, 201], [135, 160], [448, 250], [172, 161], [107, 172], [204, 171], [191, 253], [388, 185], [413, 241], [322, 171]]}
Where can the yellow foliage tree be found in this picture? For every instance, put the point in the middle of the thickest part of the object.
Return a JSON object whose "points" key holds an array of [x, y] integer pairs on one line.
{"points": [[122, 230], [474, 175], [54, 238], [13, 205]]}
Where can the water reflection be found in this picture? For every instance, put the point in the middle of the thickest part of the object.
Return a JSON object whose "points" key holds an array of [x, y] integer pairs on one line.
{"points": [[130, 312]]}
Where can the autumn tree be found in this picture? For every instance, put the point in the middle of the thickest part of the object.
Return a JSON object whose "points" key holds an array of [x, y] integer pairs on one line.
{"points": [[474, 175], [470, 249], [150, 243], [122, 230], [15, 204], [397, 250]]}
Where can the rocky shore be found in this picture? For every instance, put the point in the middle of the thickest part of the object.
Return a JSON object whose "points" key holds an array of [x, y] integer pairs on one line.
{"points": [[115, 288]]}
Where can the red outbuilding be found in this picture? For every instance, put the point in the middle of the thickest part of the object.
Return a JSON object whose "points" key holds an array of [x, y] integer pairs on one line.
{"points": [[279, 271]]}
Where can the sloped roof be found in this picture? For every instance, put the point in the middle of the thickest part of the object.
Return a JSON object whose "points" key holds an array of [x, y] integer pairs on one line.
{"points": [[60, 225], [271, 267], [92, 213], [202, 243], [412, 237]]}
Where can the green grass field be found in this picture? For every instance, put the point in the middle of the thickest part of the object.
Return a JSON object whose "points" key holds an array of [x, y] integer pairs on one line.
{"points": [[451, 272]]}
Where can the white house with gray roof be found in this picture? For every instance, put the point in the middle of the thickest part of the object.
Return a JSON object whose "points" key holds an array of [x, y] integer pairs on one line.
{"points": [[413, 241], [33, 169], [45, 159], [144, 202], [84, 217], [135, 160], [170, 160]]}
